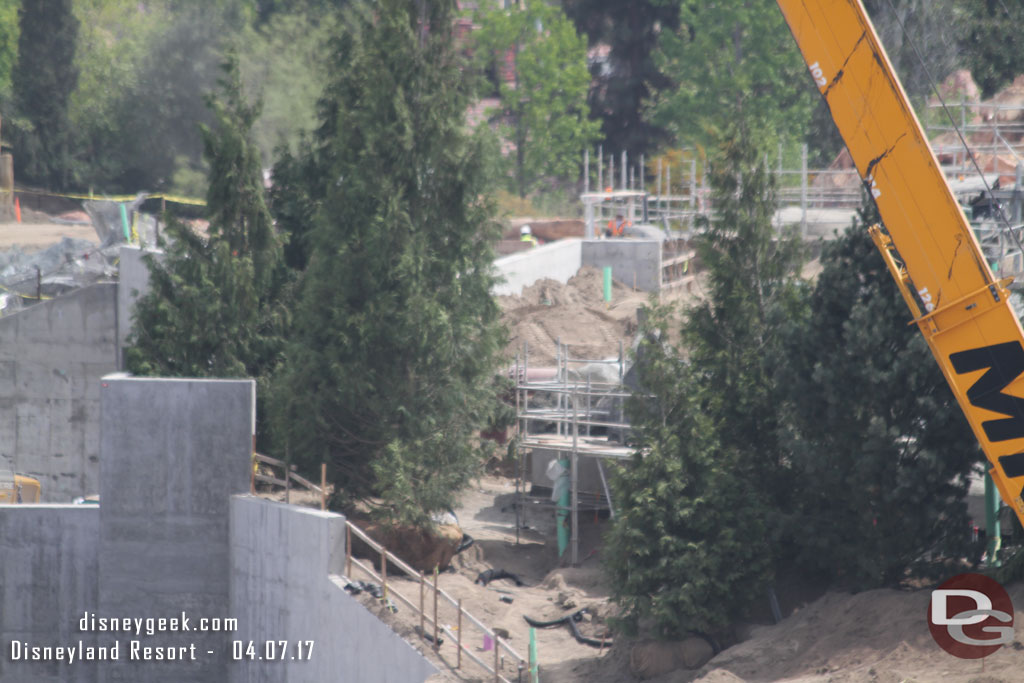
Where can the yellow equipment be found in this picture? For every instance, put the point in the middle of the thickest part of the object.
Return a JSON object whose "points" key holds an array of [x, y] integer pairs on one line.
{"points": [[15, 488], [960, 308]]}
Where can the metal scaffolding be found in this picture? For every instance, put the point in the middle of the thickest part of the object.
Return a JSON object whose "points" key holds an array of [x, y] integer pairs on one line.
{"points": [[567, 412]]}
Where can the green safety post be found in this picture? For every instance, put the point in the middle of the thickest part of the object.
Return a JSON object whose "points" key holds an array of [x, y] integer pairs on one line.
{"points": [[608, 283], [124, 223], [534, 672], [992, 530]]}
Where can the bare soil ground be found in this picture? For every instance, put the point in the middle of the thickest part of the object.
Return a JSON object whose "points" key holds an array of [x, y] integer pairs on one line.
{"points": [[38, 232], [879, 635]]}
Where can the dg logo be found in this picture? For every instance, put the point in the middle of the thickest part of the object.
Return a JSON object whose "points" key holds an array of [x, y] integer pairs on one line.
{"points": [[971, 616]]}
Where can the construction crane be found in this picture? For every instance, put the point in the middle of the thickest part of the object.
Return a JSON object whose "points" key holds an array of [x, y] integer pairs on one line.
{"points": [[927, 243]]}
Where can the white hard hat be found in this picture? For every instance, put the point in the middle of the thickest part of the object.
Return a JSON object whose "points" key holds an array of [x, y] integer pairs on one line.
{"points": [[525, 230]]}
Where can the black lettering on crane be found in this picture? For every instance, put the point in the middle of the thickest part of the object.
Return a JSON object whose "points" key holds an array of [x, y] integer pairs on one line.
{"points": [[1002, 363]]}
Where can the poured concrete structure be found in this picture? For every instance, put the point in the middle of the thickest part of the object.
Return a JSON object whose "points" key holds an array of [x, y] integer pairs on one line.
{"points": [[173, 453], [52, 356], [556, 261], [634, 263], [48, 581], [172, 539], [286, 566]]}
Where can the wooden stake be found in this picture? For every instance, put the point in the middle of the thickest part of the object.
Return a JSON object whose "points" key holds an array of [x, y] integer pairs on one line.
{"points": [[423, 616], [323, 486], [348, 550]]}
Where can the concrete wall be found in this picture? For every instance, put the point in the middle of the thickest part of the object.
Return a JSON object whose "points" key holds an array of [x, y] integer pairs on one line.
{"points": [[282, 559], [173, 452], [48, 580], [52, 356], [558, 261], [588, 480], [632, 261], [133, 282]]}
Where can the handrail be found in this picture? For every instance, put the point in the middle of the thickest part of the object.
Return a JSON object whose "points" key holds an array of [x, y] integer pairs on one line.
{"points": [[394, 560]]}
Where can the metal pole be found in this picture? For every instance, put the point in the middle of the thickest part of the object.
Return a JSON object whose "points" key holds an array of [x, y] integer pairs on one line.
{"points": [[600, 168], [436, 645], [497, 677], [586, 170], [659, 185], [611, 171], [803, 191], [558, 371], [624, 170], [458, 638], [992, 531], [574, 481], [693, 189], [642, 172]]}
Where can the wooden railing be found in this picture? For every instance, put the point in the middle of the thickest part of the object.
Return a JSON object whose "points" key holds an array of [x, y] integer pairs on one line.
{"points": [[286, 479]]}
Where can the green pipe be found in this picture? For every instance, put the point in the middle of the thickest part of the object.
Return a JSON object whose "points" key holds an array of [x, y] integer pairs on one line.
{"points": [[562, 515], [534, 668], [608, 283], [124, 223], [992, 530]]}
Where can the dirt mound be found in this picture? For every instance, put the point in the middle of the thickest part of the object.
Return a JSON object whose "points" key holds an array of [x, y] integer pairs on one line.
{"points": [[574, 312], [878, 635]]}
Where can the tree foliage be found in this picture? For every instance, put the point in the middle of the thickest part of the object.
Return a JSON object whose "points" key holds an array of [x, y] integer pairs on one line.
{"points": [[730, 62], [213, 306], [688, 548], [389, 369], [876, 433], [991, 43], [622, 85], [42, 82], [546, 103]]}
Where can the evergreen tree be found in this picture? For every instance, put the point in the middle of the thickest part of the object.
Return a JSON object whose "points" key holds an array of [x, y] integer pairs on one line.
{"points": [[213, 307], [389, 371], [622, 84], [703, 511], [878, 436], [44, 77], [688, 548]]}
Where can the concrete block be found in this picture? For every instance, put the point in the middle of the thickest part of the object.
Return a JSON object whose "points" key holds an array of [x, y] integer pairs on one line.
{"points": [[631, 261], [172, 453]]}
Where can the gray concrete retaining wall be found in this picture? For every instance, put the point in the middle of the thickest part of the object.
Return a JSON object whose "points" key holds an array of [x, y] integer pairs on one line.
{"points": [[52, 356], [282, 561], [173, 452], [633, 262], [48, 581], [133, 282], [557, 261]]}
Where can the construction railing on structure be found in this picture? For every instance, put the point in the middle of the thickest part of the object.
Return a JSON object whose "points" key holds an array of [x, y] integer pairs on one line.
{"points": [[575, 408], [287, 478], [440, 598], [430, 614]]}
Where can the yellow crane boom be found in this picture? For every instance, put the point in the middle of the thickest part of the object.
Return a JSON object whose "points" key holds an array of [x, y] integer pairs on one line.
{"points": [[960, 308]]}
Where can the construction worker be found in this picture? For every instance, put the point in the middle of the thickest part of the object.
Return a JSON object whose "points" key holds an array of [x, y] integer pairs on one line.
{"points": [[616, 226], [526, 235]]}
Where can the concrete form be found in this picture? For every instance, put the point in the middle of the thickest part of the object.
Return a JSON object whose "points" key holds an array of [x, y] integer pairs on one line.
{"points": [[634, 263], [556, 261], [173, 453], [169, 541], [52, 356]]}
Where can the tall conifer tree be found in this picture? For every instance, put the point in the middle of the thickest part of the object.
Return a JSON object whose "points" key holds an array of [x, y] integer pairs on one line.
{"points": [[396, 333]]}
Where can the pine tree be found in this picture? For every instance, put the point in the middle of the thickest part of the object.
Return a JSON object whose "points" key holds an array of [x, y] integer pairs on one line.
{"points": [[877, 434], [213, 309], [43, 79], [389, 371]]}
